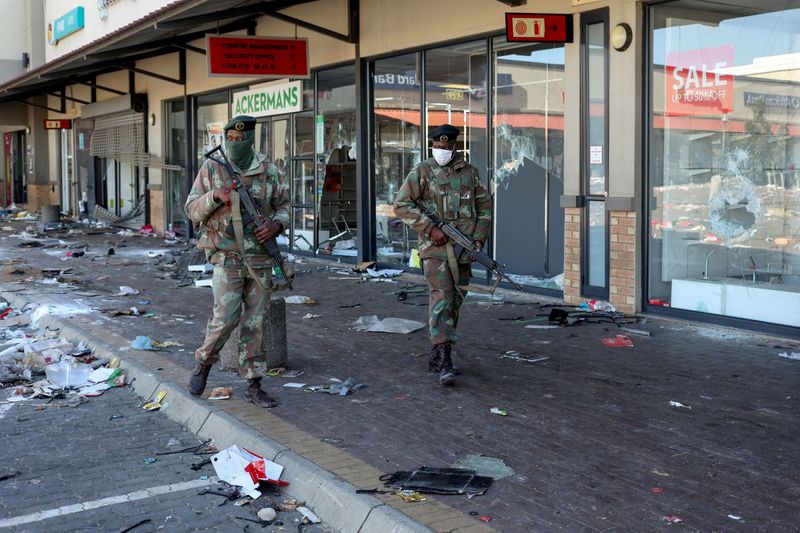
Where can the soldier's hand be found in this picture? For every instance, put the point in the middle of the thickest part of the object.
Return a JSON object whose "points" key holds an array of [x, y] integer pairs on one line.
{"points": [[479, 245], [267, 231], [222, 196], [438, 237]]}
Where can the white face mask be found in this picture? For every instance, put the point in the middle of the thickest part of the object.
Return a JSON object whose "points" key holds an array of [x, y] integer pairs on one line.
{"points": [[442, 156]]}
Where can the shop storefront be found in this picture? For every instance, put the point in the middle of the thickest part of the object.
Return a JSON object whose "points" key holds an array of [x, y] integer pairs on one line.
{"points": [[511, 123], [723, 188]]}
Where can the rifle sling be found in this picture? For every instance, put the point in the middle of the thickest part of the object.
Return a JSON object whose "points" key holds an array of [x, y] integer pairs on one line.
{"points": [[238, 231], [452, 262]]}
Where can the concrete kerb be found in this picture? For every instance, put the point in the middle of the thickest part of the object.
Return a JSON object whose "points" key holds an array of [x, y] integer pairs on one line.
{"points": [[331, 497]]}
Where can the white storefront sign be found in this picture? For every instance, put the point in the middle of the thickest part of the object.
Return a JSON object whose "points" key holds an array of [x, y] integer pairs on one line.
{"points": [[270, 100]]}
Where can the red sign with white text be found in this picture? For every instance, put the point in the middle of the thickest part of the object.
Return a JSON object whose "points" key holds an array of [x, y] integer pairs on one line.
{"points": [[543, 28], [57, 124], [257, 56], [695, 84]]}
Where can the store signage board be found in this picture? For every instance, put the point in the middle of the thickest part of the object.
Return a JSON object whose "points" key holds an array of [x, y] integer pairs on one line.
{"points": [[274, 99], [67, 24], [57, 124], [696, 83], [262, 57], [540, 28]]}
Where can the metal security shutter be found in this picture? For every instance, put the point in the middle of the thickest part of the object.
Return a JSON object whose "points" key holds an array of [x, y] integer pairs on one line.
{"points": [[121, 137]]}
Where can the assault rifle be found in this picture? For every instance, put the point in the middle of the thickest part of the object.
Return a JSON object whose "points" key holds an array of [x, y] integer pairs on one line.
{"points": [[251, 213], [462, 243]]}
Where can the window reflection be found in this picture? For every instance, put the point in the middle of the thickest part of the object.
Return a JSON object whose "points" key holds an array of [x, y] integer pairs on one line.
{"points": [[725, 198]]}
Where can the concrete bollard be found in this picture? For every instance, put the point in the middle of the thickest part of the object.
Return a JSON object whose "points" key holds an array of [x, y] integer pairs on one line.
{"points": [[274, 343], [51, 214]]}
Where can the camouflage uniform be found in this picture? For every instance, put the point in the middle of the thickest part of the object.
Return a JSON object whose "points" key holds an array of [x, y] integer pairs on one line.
{"points": [[237, 280], [459, 197]]}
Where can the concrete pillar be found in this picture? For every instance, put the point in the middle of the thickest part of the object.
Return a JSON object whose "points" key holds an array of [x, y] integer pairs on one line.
{"points": [[274, 343]]}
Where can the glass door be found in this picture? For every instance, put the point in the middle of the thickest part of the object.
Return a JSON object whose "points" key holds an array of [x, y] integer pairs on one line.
{"points": [[177, 181], [594, 150], [528, 164], [302, 182]]}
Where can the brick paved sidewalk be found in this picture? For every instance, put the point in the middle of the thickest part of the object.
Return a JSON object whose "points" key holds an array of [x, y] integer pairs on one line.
{"points": [[590, 431]]}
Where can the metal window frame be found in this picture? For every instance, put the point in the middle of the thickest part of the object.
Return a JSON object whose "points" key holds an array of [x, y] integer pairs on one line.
{"points": [[586, 19], [646, 306]]}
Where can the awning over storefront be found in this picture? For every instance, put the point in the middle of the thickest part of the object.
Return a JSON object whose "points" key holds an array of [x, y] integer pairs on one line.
{"points": [[165, 31]]}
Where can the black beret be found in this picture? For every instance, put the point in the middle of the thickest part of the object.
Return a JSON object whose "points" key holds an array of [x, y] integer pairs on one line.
{"points": [[241, 123], [443, 133]]}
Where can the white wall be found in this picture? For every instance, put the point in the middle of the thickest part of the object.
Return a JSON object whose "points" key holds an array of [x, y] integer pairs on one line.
{"points": [[13, 39]]}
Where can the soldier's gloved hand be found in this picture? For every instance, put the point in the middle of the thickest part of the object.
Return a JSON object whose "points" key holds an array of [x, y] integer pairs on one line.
{"points": [[438, 237], [267, 231]]}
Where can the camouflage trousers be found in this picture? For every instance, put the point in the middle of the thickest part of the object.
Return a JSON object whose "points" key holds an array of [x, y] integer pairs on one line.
{"points": [[238, 298], [445, 300]]}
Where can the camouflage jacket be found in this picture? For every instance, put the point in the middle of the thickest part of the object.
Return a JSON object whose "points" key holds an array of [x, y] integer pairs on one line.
{"points": [[458, 195], [212, 219]]}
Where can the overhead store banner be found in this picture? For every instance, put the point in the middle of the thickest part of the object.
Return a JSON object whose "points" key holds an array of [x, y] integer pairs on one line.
{"points": [[695, 84], [542, 28], [257, 56], [270, 100]]}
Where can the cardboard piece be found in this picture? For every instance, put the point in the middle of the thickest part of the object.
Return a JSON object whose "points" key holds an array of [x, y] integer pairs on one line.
{"points": [[245, 469]]}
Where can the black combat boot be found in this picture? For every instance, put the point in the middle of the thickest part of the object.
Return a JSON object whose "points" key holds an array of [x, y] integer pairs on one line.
{"points": [[197, 383], [435, 362], [255, 394], [446, 374]]}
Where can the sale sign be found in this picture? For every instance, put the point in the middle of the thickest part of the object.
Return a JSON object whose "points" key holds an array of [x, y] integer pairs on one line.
{"points": [[696, 83]]}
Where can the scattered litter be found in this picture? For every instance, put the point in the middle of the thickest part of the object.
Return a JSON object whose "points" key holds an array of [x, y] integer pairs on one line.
{"points": [[221, 393], [793, 355], [363, 266], [341, 388], [124, 290], [672, 519], [618, 341], [498, 411], [493, 467], [297, 299], [309, 315], [150, 460], [659, 473], [673, 403], [485, 518], [205, 268], [267, 514], [541, 326], [142, 342], [204, 282], [388, 325], [155, 405], [734, 517], [294, 385], [657, 490], [137, 524], [517, 356], [632, 331], [598, 305], [68, 374], [290, 504], [8, 475], [242, 468], [439, 481], [410, 496], [293, 373], [308, 515], [385, 273]]}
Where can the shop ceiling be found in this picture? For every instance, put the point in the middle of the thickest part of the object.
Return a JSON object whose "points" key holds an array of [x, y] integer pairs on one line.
{"points": [[165, 31]]}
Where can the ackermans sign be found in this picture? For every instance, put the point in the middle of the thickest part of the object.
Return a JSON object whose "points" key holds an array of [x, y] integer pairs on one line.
{"points": [[270, 100], [695, 84]]}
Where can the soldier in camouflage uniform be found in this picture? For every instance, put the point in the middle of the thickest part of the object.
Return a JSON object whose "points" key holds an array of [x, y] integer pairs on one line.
{"points": [[450, 186], [242, 280]]}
